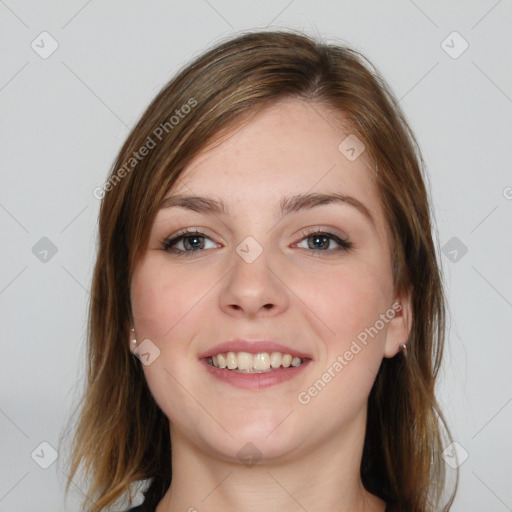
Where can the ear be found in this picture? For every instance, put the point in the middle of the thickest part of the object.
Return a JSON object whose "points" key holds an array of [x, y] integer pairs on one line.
{"points": [[399, 327]]}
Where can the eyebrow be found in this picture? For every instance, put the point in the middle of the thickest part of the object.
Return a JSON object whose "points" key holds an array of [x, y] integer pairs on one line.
{"points": [[202, 204]]}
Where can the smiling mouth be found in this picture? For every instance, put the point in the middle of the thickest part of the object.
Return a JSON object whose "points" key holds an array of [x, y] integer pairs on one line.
{"points": [[262, 362]]}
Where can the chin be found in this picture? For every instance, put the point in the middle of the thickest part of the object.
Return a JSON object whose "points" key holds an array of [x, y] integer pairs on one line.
{"points": [[261, 440]]}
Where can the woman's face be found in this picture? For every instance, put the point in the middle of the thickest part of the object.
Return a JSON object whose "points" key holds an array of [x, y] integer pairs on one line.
{"points": [[286, 252]]}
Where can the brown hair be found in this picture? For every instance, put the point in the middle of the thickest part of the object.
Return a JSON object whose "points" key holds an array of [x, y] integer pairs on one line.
{"points": [[122, 436]]}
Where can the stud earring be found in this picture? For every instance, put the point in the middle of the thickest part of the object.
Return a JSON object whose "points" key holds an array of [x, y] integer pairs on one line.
{"points": [[403, 348]]}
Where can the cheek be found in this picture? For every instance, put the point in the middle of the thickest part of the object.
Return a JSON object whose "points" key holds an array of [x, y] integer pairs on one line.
{"points": [[167, 310], [350, 302], [161, 298], [350, 299]]}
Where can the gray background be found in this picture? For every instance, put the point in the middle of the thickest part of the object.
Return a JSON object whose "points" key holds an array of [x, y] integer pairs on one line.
{"points": [[65, 116]]}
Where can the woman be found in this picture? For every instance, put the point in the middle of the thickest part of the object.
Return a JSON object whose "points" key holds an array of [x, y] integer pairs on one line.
{"points": [[267, 318]]}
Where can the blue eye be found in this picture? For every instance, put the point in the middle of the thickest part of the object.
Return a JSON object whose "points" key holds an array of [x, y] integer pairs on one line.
{"points": [[324, 242], [188, 242]]}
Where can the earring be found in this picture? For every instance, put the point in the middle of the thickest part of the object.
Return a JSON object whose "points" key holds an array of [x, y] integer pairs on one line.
{"points": [[132, 330], [403, 348]]}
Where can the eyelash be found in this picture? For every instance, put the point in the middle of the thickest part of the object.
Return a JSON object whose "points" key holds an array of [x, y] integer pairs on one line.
{"points": [[169, 243], [344, 244]]}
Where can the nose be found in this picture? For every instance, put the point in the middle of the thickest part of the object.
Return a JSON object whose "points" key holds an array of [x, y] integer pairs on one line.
{"points": [[254, 289]]}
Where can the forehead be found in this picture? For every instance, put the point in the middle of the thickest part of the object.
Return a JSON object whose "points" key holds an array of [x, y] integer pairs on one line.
{"points": [[291, 147]]}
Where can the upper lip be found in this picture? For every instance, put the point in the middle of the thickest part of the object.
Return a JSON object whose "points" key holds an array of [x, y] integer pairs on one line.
{"points": [[253, 347]]}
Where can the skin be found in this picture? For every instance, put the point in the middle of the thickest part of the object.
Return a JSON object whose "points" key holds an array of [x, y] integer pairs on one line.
{"points": [[318, 301]]}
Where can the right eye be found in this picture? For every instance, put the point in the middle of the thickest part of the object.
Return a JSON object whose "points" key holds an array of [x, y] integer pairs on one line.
{"points": [[188, 241]]}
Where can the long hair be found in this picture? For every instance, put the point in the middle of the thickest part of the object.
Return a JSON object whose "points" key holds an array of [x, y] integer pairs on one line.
{"points": [[122, 436]]}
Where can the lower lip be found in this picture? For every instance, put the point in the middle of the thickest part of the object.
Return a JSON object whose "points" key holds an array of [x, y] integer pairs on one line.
{"points": [[255, 380]]}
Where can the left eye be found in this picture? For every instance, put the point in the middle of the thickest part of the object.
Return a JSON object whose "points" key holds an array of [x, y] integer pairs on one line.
{"points": [[324, 242]]}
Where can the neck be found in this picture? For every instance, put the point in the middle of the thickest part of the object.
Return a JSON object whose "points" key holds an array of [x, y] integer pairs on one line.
{"points": [[325, 479]]}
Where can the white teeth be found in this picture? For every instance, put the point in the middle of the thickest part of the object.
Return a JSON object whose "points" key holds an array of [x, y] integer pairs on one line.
{"points": [[231, 361], [245, 361], [287, 359], [262, 362], [275, 359], [221, 361]]}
